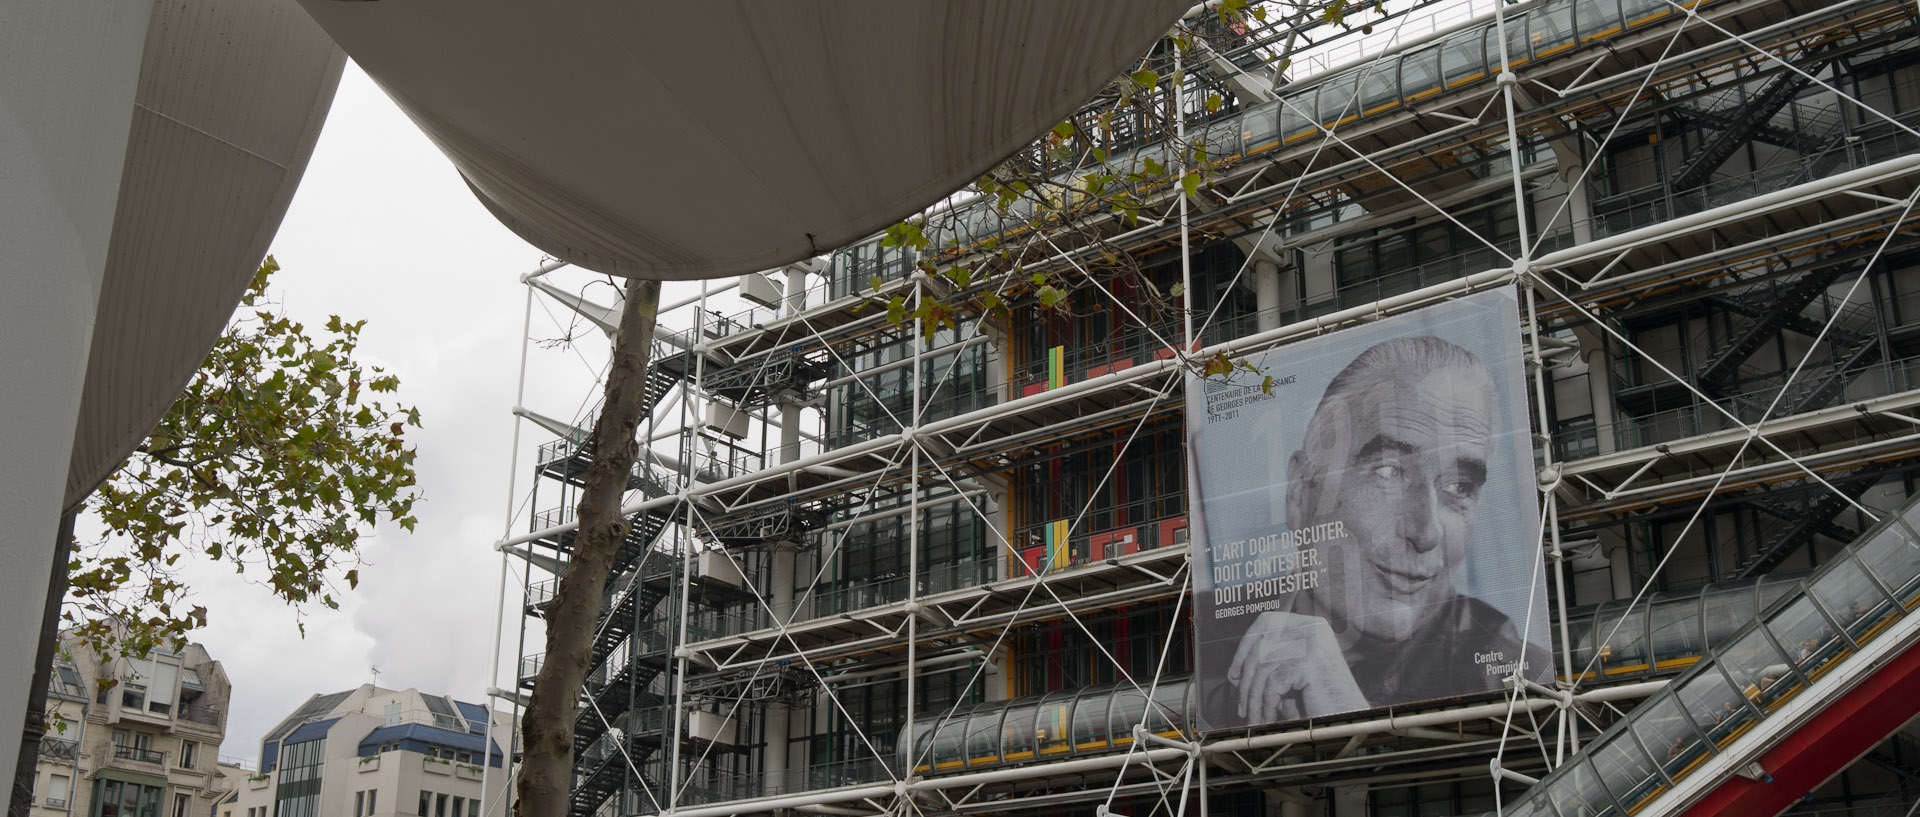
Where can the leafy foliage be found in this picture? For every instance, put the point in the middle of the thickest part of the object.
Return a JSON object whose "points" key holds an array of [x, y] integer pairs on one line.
{"points": [[1068, 202], [282, 452]]}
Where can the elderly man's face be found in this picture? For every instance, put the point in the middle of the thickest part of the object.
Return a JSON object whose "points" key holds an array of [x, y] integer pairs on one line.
{"points": [[1402, 471]]}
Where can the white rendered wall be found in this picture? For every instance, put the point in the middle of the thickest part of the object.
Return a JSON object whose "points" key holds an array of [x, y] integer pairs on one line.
{"points": [[67, 75]]}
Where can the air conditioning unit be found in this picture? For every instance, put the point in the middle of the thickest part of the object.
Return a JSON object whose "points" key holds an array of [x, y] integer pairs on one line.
{"points": [[727, 420], [715, 566], [710, 727], [760, 290]]}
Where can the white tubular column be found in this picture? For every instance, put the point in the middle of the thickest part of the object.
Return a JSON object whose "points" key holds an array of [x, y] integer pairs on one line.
{"points": [[1350, 801], [1266, 294], [778, 714], [1620, 567], [796, 289]]}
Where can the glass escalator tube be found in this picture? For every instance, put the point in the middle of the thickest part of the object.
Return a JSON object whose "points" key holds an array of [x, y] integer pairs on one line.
{"points": [[1805, 628]]}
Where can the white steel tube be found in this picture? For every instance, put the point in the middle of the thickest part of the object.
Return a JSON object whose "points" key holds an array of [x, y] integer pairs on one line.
{"points": [[1798, 194], [500, 602], [912, 681], [1548, 496], [1186, 251], [686, 598]]}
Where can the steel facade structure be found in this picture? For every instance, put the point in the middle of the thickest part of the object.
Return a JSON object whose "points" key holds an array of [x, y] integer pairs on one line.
{"points": [[881, 567]]}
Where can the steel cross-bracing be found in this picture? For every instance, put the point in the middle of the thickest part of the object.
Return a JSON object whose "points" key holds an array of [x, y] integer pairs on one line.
{"points": [[885, 567]]}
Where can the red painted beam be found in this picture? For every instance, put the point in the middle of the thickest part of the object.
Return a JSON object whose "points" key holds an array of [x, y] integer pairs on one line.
{"points": [[1823, 746]]}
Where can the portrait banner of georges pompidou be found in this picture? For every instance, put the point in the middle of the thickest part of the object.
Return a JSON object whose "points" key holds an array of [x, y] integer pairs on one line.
{"points": [[1366, 531]]}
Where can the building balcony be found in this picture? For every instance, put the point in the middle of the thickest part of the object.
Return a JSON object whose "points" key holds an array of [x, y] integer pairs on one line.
{"points": [[1674, 424], [139, 755], [205, 716], [59, 749]]}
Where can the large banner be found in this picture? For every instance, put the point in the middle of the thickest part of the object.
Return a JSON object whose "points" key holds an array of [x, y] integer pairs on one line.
{"points": [[1367, 534]]}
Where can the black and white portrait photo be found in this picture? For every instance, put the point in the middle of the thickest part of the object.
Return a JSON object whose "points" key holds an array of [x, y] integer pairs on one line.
{"points": [[1366, 531]]}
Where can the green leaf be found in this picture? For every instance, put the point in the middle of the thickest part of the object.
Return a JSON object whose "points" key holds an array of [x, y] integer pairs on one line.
{"points": [[1062, 130], [1177, 290], [1049, 296], [275, 463], [1190, 183], [1143, 78], [1214, 103]]}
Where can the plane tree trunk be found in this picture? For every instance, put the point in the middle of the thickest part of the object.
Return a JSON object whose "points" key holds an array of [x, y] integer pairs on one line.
{"points": [[545, 780]]}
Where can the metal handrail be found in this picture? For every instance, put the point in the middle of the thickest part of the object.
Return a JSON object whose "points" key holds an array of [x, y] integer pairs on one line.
{"points": [[135, 753]]}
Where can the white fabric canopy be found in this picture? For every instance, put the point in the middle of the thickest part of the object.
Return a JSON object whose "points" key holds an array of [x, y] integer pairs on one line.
{"points": [[147, 152], [700, 139], [229, 104]]}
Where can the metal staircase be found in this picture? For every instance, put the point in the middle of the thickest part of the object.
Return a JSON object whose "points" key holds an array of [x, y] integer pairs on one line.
{"points": [[1773, 307], [602, 767], [1903, 760], [1802, 520], [566, 459], [631, 643], [762, 381], [783, 527], [1740, 125]]}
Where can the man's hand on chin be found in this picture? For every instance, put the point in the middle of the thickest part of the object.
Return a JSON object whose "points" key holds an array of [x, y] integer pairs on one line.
{"points": [[1290, 666]]}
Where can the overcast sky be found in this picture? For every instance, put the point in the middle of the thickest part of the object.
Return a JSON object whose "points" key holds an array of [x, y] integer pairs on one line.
{"points": [[383, 229]]}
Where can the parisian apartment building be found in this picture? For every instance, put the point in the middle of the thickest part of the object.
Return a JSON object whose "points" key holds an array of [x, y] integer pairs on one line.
{"points": [[132, 737], [370, 751]]}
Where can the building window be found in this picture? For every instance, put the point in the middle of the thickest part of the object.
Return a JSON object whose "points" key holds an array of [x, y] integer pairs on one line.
{"points": [[426, 802], [113, 798], [189, 750], [373, 796], [440, 806], [133, 696], [181, 803], [393, 714], [66, 680], [298, 794], [359, 804], [165, 680], [57, 790], [457, 802]]}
